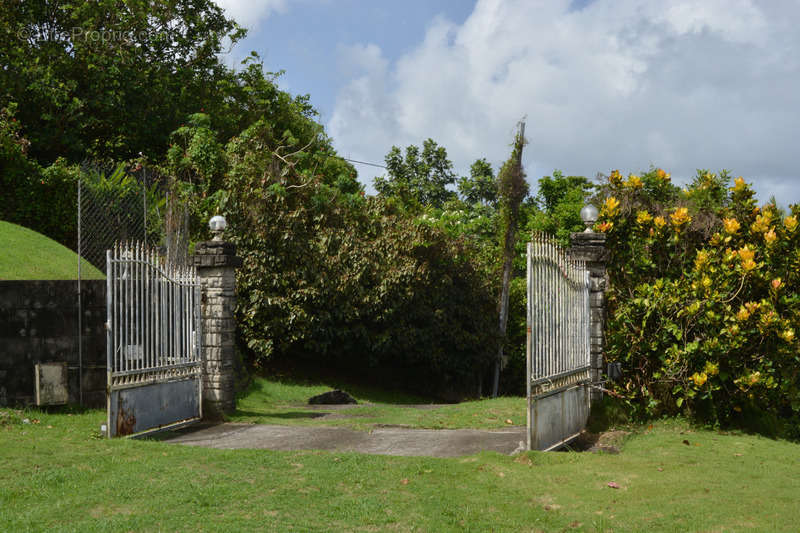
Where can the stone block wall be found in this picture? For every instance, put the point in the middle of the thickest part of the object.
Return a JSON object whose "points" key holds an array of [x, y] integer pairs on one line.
{"points": [[39, 324]]}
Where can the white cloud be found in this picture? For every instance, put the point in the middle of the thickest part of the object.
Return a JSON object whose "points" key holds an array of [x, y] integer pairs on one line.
{"points": [[619, 84], [251, 13]]}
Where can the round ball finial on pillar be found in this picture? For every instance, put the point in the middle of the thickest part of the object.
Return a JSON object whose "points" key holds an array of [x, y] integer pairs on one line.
{"points": [[589, 216], [217, 224]]}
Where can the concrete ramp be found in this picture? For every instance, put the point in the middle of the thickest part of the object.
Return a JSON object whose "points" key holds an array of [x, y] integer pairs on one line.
{"points": [[380, 441]]}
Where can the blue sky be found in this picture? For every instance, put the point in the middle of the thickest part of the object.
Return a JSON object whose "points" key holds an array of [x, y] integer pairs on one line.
{"points": [[305, 39], [603, 84]]}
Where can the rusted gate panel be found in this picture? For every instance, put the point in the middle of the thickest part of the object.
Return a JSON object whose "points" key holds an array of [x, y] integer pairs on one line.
{"points": [[153, 350]]}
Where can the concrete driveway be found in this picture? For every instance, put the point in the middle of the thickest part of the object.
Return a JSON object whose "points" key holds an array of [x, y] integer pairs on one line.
{"points": [[381, 440]]}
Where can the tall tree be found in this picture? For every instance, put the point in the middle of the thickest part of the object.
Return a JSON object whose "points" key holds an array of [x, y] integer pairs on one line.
{"points": [[559, 201], [480, 186], [111, 78], [512, 189], [418, 177]]}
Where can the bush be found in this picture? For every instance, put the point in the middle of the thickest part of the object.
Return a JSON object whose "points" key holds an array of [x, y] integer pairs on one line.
{"points": [[351, 283], [703, 301], [42, 199]]}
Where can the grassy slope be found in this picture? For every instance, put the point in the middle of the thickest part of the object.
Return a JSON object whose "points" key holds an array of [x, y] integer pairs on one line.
{"points": [[29, 255], [59, 475]]}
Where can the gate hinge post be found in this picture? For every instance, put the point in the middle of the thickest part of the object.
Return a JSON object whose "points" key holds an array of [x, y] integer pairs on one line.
{"points": [[216, 263]]}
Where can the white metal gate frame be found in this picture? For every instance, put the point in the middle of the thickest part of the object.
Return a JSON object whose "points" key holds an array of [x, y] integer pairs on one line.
{"points": [[558, 345], [153, 349]]}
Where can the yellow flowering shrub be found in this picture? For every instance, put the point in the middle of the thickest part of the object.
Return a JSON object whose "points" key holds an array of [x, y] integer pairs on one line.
{"points": [[699, 379], [761, 224], [746, 256], [704, 318], [701, 259], [610, 207], [680, 216], [643, 217], [731, 225], [634, 182]]}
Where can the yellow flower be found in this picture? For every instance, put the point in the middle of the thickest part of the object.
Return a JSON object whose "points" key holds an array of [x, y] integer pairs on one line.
{"points": [[615, 178], [768, 318], [643, 217], [790, 223], [699, 379], [787, 335], [739, 184], [610, 206], [634, 182], [604, 227], [680, 216], [701, 259], [659, 222], [770, 237], [746, 255], [711, 368], [761, 225], [662, 174], [743, 314], [731, 225], [776, 283], [754, 378]]}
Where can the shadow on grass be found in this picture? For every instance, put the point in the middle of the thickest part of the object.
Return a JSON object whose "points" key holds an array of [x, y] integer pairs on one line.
{"points": [[303, 376]]}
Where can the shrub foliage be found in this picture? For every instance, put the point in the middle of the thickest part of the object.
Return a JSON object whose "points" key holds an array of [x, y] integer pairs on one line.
{"points": [[703, 300], [344, 281]]}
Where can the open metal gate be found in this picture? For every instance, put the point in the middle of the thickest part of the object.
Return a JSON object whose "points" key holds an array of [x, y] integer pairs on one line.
{"points": [[558, 348], [154, 362]]}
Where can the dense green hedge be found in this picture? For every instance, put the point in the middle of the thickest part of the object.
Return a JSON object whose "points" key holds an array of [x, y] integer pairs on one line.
{"points": [[43, 199], [348, 282]]}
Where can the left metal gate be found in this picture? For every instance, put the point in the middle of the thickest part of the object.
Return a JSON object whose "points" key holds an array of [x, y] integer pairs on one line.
{"points": [[154, 362]]}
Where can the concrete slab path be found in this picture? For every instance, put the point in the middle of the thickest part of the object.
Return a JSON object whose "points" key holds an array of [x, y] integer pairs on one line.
{"points": [[380, 441]]}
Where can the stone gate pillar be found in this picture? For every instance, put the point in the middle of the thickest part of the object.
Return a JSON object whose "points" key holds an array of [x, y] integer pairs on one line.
{"points": [[216, 264], [590, 247]]}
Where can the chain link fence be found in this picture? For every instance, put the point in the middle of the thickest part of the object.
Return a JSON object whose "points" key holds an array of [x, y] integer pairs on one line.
{"points": [[118, 206]]}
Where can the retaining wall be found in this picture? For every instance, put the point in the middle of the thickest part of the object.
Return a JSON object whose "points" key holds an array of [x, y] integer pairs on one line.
{"points": [[39, 324]]}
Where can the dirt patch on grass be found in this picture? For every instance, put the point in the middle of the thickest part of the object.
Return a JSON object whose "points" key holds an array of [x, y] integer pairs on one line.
{"points": [[605, 442]]}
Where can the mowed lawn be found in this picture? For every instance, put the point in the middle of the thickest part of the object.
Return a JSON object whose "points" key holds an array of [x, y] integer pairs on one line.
{"points": [[58, 474], [28, 255]]}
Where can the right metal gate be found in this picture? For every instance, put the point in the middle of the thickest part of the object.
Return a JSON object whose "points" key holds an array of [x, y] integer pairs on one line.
{"points": [[558, 349]]}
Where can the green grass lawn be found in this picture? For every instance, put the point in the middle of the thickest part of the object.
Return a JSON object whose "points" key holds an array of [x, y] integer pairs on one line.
{"points": [[58, 475], [28, 255], [286, 402]]}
